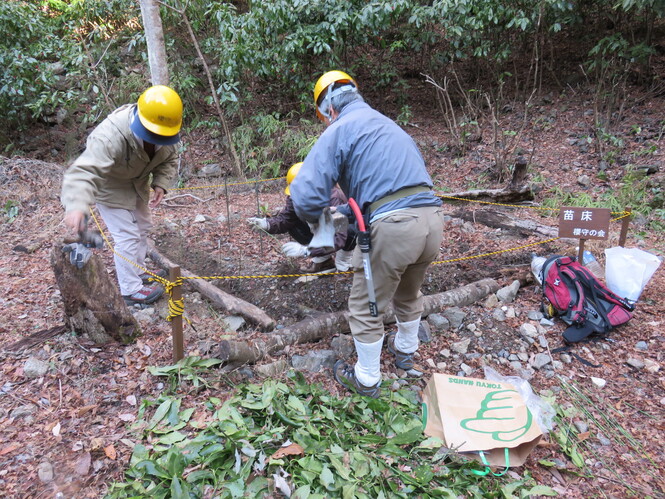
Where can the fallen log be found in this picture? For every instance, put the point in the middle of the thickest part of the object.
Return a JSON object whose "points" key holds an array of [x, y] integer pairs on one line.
{"points": [[219, 298], [507, 195], [315, 328], [498, 220], [93, 303]]}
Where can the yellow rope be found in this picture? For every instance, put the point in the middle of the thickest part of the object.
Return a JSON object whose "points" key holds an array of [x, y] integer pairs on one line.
{"points": [[512, 205], [225, 185], [177, 307]]}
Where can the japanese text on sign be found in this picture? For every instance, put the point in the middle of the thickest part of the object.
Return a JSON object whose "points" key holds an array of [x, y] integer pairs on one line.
{"points": [[584, 223]]}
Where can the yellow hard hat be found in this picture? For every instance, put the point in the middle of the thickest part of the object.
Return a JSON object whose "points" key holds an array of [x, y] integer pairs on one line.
{"points": [[290, 175], [325, 81], [160, 110]]}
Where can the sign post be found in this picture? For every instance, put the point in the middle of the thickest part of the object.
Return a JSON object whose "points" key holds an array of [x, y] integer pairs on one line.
{"points": [[583, 224]]}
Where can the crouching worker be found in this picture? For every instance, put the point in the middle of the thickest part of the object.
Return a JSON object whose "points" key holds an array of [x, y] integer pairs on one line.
{"points": [[287, 221], [129, 152]]}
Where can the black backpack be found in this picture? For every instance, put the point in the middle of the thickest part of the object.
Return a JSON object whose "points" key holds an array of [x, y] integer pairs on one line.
{"points": [[572, 293]]}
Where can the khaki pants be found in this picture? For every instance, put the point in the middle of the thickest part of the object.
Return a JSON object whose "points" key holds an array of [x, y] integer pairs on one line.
{"points": [[404, 243]]}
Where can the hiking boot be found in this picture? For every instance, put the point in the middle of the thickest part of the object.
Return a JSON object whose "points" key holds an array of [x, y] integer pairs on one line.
{"points": [[145, 295], [402, 360], [346, 376], [316, 267], [145, 276]]}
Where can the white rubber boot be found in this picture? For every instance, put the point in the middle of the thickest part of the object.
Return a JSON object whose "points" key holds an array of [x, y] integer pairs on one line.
{"points": [[368, 367], [406, 339]]}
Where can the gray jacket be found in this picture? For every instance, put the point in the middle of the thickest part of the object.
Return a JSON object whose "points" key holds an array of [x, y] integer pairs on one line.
{"points": [[370, 157]]}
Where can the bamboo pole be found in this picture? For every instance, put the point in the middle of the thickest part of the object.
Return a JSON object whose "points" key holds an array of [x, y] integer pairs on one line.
{"points": [[176, 322]]}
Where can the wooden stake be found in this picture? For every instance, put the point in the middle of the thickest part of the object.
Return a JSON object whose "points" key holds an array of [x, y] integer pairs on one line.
{"points": [[580, 253], [176, 322], [625, 222]]}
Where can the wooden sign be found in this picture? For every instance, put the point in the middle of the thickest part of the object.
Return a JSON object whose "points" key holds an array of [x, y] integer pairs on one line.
{"points": [[584, 223]]}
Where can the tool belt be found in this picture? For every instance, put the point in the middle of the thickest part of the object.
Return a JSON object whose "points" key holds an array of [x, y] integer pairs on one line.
{"points": [[402, 193]]}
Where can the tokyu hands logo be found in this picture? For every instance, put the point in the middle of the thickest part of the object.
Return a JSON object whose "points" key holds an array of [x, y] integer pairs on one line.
{"points": [[503, 415]]}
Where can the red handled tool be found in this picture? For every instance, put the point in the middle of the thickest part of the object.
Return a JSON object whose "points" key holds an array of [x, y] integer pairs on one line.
{"points": [[364, 242]]}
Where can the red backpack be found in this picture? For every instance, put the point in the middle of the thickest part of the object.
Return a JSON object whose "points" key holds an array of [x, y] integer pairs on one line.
{"points": [[580, 299]]}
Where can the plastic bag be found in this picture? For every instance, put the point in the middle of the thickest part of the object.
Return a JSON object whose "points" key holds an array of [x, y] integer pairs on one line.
{"points": [[628, 270], [542, 411]]}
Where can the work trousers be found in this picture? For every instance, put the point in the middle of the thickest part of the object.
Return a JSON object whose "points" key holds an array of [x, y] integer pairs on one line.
{"points": [[129, 229], [403, 245]]}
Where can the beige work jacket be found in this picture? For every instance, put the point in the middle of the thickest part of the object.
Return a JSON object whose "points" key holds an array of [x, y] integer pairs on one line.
{"points": [[114, 170]]}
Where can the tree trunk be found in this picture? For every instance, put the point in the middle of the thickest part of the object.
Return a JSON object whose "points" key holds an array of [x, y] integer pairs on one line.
{"points": [[509, 195], [503, 221], [93, 303], [219, 298], [315, 328], [154, 36]]}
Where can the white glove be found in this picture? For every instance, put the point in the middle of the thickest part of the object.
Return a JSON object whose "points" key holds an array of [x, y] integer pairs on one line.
{"points": [[295, 250], [258, 223], [323, 232]]}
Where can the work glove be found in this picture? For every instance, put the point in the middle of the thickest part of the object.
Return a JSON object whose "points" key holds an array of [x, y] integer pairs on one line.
{"points": [[323, 232], [258, 223], [78, 254], [295, 250]]}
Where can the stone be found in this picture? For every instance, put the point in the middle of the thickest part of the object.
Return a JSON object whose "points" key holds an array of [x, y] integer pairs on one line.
{"points": [[471, 327], [565, 358], [234, 322], [210, 170], [491, 301], [603, 439], [642, 345], [581, 426], [35, 368], [523, 356], [445, 353], [200, 219], [517, 365], [546, 322], [314, 360], [430, 363], [584, 180], [542, 341], [599, 382], [441, 366], [651, 366], [462, 346], [499, 315], [511, 313], [528, 330], [273, 369], [540, 360], [635, 363], [455, 316], [438, 322], [507, 294], [534, 315], [23, 411], [45, 472], [424, 332], [466, 369], [343, 346]]}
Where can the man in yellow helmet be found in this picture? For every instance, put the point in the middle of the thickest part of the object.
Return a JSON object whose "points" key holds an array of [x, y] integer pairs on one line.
{"points": [[287, 221], [129, 152], [377, 164]]}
